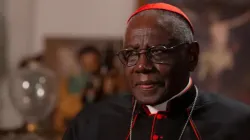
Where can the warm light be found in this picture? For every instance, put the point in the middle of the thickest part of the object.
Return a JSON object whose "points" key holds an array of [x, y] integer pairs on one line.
{"points": [[40, 92], [31, 127], [26, 85]]}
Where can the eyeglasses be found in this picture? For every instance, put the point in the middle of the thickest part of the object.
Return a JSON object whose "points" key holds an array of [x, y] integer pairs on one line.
{"points": [[157, 54]]}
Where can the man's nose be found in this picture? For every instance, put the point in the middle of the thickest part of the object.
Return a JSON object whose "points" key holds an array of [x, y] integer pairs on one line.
{"points": [[144, 65]]}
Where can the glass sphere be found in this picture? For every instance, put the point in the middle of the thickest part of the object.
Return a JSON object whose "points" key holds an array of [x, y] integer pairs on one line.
{"points": [[10, 118], [33, 93]]}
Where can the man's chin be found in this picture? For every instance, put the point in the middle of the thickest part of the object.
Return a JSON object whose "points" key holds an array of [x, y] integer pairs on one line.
{"points": [[148, 97], [147, 100]]}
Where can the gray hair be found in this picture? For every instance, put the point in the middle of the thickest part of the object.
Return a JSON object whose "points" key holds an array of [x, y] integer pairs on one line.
{"points": [[173, 23]]}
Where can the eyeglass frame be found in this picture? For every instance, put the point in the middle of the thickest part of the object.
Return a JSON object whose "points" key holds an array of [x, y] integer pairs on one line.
{"points": [[147, 50]]}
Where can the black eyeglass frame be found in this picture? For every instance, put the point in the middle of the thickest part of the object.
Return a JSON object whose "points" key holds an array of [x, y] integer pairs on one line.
{"points": [[147, 51]]}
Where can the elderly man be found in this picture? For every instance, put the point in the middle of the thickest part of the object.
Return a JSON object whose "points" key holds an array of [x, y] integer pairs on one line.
{"points": [[158, 55]]}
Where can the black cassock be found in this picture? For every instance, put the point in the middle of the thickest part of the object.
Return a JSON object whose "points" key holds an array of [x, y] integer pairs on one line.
{"points": [[214, 118]]}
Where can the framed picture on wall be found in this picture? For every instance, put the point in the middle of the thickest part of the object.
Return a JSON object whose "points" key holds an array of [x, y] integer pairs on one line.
{"points": [[73, 68], [59, 49]]}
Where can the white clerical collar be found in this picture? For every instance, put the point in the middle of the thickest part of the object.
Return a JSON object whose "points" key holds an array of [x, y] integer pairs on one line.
{"points": [[162, 106]]}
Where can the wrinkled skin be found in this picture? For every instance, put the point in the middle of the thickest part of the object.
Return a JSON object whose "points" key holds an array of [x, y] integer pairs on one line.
{"points": [[153, 83]]}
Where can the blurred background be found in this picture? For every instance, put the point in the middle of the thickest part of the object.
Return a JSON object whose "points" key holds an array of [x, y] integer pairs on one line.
{"points": [[57, 57]]}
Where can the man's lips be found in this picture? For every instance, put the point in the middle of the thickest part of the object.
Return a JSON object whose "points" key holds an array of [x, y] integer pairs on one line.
{"points": [[146, 85]]}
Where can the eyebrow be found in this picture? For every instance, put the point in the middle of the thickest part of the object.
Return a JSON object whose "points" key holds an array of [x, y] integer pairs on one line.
{"points": [[134, 47]]}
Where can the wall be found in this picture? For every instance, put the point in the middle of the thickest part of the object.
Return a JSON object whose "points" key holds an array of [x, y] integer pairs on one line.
{"points": [[2, 39], [19, 23], [30, 21], [80, 18]]}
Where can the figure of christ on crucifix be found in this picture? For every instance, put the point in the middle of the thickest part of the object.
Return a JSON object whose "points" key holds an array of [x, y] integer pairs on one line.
{"points": [[219, 54]]}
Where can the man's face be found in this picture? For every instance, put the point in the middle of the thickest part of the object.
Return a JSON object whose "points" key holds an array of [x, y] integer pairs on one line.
{"points": [[153, 83], [90, 62]]}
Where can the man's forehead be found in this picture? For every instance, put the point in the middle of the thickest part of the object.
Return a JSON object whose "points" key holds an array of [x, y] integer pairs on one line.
{"points": [[141, 31], [146, 36], [145, 29]]}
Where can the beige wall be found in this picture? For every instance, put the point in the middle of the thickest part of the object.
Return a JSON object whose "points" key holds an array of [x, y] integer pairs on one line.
{"points": [[81, 18], [19, 23], [29, 21], [2, 39]]}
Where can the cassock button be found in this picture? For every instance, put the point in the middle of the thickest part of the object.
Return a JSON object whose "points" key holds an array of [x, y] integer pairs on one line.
{"points": [[159, 116], [155, 137]]}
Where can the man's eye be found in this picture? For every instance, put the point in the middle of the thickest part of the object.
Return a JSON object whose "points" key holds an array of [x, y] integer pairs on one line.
{"points": [[129, 54], [156, 52]]}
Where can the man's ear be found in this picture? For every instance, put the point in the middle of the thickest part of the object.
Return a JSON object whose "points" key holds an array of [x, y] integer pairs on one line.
{"points": [[193, 51]]}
